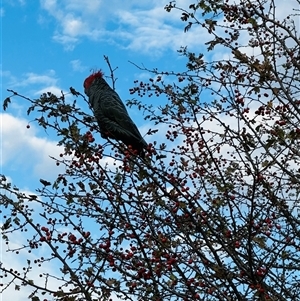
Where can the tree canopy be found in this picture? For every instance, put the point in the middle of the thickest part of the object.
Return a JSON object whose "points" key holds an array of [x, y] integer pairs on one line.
{"points": [[210, 214]]}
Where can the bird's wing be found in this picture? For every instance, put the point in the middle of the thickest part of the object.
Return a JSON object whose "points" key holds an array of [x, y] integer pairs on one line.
{"points": [[120, 122]]}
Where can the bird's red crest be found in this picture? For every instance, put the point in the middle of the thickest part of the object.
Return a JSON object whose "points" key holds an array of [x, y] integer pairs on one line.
{"points": [[88, 81]]}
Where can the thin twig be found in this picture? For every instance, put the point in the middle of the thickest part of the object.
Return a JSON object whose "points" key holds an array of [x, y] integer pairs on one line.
{"points": [[111, 71]]}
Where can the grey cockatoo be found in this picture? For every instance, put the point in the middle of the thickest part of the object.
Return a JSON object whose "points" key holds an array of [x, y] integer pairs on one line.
{"points": [[111, 113]]}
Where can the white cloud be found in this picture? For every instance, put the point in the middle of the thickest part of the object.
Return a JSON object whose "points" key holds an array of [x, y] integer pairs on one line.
{"points": [[17, 262], [77, 66], [14, 261], [73, 26], [141, 27], [23, 150], [7, 75], [2, 12], [42, 83], [68, 42], [31, 78], [49, 5], [53, 89]]}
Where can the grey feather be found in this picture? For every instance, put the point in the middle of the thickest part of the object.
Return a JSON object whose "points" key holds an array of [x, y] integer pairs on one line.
{"points": [[112, 116]]}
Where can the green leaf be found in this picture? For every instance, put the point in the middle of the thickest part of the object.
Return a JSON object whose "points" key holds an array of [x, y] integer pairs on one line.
{"points": [[5, 103], [260, 241], [280, 133], [81, 185], [45, 183], [270, 142], [285, 255], [16, 221], [265, 163], [7, 224], [30, 109], [74, 92], [188, 27]]}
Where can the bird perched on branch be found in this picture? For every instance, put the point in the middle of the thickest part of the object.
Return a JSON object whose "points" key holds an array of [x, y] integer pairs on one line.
{"points": [[111, 113]]}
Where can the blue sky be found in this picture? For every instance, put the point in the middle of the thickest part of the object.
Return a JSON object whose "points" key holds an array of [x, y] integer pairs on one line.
{"points": [[50, 45]]}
